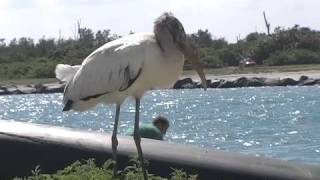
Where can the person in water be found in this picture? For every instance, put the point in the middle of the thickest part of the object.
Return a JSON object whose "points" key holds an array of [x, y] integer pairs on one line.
{"points": [[156, 130]]}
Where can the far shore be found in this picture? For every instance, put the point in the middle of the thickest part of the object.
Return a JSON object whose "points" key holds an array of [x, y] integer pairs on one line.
{"points": [[225, 73], [188, 81], [314, 74]]}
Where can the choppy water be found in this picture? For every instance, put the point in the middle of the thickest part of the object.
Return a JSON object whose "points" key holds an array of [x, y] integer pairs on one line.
{"points": [[279, 122]]}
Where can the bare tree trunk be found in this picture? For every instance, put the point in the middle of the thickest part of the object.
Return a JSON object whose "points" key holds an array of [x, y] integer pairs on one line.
{"points": [[267, 23], [60, 37], [79, 28], [238, 37]]}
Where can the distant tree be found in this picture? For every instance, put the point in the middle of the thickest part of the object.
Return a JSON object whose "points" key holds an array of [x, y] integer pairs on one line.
{"points": [[102, 37], [219, 43], [114, 37], [26, 47], [86, 37], [20, 50], [25, 42], [45, 47], [23, 57], [2, 42], [13, 43], [266, 23], [202, 38], [253, 36], [230, 56], [3, 50]]}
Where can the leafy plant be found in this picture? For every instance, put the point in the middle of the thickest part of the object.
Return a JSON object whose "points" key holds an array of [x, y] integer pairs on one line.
{"points": [[25, 58], [88, 170]]}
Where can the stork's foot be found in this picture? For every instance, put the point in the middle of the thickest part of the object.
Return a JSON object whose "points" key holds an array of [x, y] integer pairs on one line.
{"points": [[115, 170], [114, 141], [144, 170], [137, 140]]}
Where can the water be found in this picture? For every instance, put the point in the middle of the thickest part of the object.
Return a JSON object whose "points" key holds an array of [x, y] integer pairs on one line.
{"points": [[279, 122]]}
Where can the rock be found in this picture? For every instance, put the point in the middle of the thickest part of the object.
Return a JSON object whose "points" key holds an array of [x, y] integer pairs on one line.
{"points": [[272, 82], [288, 82], [303, 78], [199, 84], [241, 82], [189, 86], [12, 90], [249, 82], [54, 88], [317, 81], [25, 89], [308, 82], [40, 88], [29, 89], [184, 83], [226, 84], [214, 84], [256, 82], [3, 92]]}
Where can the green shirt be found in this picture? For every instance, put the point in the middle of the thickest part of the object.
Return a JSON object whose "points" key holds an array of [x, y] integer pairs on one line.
{"points": [[148, 131]]}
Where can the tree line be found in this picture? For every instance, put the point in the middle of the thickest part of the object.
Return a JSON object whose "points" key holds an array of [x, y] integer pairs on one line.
{"points": [[25, 58], [285, 46]]}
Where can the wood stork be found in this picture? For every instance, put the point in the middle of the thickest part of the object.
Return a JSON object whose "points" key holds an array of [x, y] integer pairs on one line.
{"points": [[129, 66]]}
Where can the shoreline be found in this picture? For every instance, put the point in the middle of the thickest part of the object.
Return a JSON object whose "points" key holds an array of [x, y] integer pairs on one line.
{"points": [[314, 74], [299, 78]]}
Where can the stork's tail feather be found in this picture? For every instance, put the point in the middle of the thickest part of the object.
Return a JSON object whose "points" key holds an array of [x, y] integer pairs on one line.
{"points": [[80, 105], [65, 72], [68, 105]]}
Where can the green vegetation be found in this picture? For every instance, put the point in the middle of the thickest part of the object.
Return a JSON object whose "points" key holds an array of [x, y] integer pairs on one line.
{"points": [[11, 82], [88, 170], [24, 58], [296, 45]]}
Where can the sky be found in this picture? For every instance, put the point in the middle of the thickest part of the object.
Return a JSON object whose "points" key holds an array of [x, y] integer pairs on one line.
{"points": [[223, 18]]}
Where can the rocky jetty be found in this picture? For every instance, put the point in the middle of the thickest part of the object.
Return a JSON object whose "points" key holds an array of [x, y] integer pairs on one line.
{"points": [[186, 83], [32, 88]]}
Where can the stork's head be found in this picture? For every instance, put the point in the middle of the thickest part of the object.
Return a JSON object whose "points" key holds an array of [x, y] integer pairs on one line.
{"points": [[170, 28]]}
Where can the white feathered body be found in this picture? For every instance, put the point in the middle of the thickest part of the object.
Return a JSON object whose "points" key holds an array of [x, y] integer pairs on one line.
{"points": [[125, 67]]}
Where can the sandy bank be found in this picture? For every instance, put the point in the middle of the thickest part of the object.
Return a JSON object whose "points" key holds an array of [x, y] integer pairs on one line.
{"points": [[275, 75]]}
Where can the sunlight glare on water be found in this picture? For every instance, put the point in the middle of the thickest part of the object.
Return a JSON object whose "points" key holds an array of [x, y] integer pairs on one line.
{"points": [[280, 122]]}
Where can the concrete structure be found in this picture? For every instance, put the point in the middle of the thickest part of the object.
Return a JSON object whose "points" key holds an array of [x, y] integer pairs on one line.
{"points": [[25, 145]]}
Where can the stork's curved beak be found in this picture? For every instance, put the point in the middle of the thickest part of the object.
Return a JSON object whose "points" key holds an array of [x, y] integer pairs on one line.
{"points": [[191, 55]]}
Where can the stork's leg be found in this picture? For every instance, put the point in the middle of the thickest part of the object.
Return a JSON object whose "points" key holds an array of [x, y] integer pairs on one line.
{"points": [[137, 139], [114, 140]]}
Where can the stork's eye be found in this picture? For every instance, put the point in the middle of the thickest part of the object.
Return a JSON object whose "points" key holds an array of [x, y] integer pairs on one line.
{"points": [[176, 26]]}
